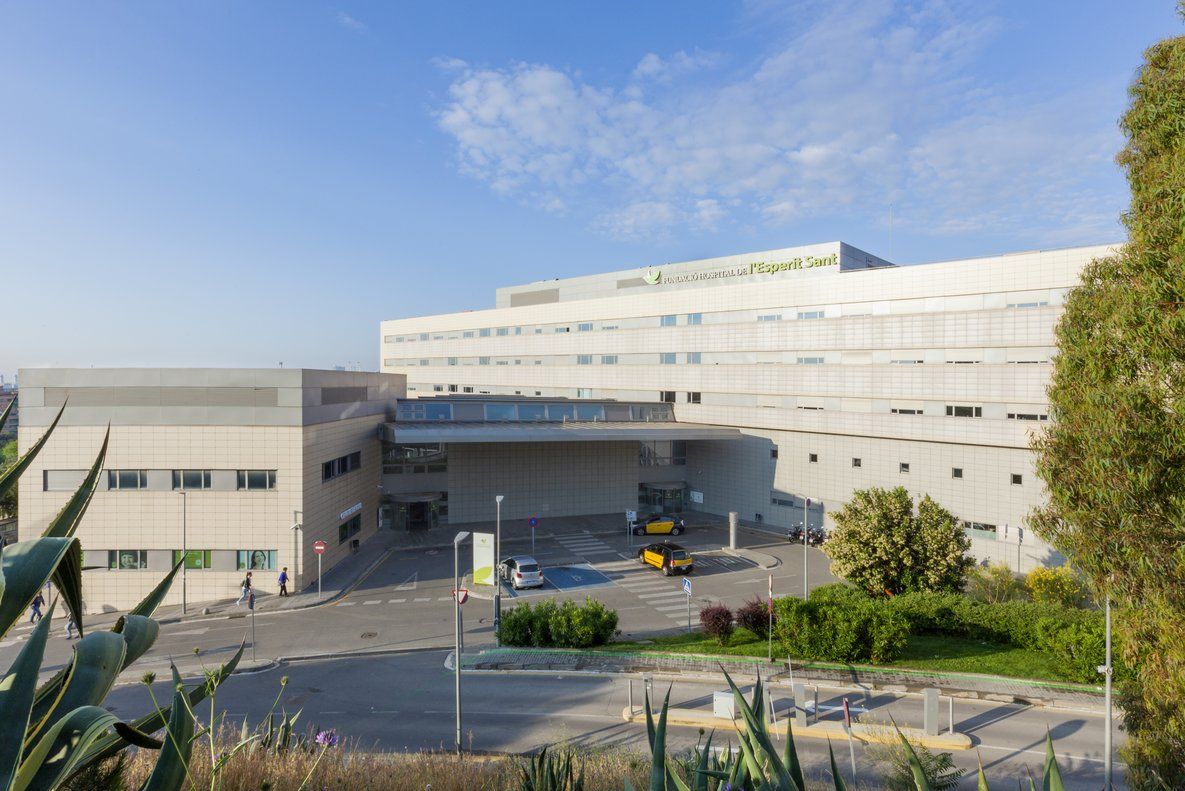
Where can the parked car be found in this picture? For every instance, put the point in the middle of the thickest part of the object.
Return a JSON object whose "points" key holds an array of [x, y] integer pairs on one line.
{"points": [[669, 558], [658, 525], [521, 571]]}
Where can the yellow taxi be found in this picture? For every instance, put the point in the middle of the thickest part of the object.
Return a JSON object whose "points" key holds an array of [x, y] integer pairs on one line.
{"points": [[670, 558], [658, 524]]}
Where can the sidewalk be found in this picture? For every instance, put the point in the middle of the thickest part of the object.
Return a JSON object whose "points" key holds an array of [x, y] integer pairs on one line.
{"points": [[958, 685]]}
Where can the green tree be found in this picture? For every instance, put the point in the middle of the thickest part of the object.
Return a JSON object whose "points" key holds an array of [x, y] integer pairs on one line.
{"points": [[883, 547], [993, 584], [8, 457], [1113, 459]]}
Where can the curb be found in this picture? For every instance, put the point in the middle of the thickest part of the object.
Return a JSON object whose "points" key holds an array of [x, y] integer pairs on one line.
{"points": [[770, 562], [861, 732]]}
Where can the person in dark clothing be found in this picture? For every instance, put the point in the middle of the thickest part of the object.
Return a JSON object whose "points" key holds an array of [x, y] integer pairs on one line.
{"points": [[283, 580], [38, 603], [246, 588]]}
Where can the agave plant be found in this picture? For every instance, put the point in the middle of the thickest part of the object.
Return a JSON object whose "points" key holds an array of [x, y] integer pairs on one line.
{"points": [[758, 766], [550, 772], [50, 733]]}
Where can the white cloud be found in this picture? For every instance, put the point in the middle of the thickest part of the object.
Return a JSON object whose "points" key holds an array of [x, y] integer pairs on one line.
{"points": [[858, 104], [349, 22]]}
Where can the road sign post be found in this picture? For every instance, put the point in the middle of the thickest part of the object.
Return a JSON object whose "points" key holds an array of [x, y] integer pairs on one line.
{"points": [[533, 523], [251, 607], [457, 625], [770, 633], [687, 590], [630, 518], [318, 550], [806, 504]]}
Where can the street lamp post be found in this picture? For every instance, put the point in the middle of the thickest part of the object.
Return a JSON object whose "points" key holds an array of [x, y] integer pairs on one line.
{"points": [[296, 528], [457, 620], [497, 563], [806, 504], [1107, 768], [184, 552]]}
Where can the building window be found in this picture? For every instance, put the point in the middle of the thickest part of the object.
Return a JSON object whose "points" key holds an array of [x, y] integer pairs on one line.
{"points": [[773, 453], [467, 334], [127, 559], [584, 359], [856, 462], [770, 317], [62, 480], [257, 480], [1027, 416], [423, 336], [563, 329], [662, 453], [905, 362], [810, 360], [255, 559], [667, 321], [666, 396], [956, 410], [813, 458], [341, 465], [693, 398], [956, 472], [1017, 479], [903, 467], [414, 458], [452, 388], [584, 392], [452, 361], [1028, 304], [905, 411], [980, 527], [584, 327], [502, 331], [484, 332], [191, 479], [693, 358], [667, 358], [127, 479], [424, 362], [349, 528], [437, 388], [483, 360], [695, 318], [467, 389], [608, 359], [195, 559], [810, 314]]}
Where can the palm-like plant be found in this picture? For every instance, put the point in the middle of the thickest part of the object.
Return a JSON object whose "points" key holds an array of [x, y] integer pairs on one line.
{"points": [[758, 766], [51, 732]]}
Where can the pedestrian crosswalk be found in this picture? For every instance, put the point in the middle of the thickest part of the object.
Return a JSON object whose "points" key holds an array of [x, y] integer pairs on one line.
{"points": [[664, 594], [585, 544]]}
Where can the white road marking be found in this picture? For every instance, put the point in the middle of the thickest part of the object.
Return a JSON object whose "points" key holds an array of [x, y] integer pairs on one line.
{"points": [[396, 601], [421, 600], [347, 604], [373, 601], [443, 598], [409, 584], [203, 630], [668, 607], [671, 594]]}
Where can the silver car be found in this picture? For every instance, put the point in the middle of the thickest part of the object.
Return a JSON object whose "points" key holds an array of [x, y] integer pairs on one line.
{"points": [[521, 571]]}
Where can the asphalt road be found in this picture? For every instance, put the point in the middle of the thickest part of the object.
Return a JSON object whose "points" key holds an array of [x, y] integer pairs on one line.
{"points": [[405, 702]]}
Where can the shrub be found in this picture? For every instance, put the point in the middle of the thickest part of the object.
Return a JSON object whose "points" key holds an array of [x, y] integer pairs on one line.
{"points": [[840, 624], [754, 615], [1055, 586], [994, 584], [566, 625], [717, 622]]}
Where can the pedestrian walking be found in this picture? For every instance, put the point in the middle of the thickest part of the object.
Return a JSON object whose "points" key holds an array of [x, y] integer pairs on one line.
{"points": [[246, 588], [38, 603], [70, 627], [283, 580]]}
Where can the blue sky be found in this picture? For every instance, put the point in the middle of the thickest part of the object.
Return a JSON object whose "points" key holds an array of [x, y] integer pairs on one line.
{"points": [[244, 183]]}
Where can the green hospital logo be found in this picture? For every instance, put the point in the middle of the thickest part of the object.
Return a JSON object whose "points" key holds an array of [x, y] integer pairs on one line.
{"points": [[651, 278]]}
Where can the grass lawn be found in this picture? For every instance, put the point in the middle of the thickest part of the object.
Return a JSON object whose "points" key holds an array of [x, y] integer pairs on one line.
{"points": [[922, 652]]}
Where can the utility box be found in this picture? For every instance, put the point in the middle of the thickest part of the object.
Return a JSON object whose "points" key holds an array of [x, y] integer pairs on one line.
{"points": [[724, 705]]}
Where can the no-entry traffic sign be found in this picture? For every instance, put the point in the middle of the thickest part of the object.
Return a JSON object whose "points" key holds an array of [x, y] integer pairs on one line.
{"points": [[319, 547], [461, 596]]}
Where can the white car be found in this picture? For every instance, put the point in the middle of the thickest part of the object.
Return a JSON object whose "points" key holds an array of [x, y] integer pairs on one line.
{"points": [[521, 571]]}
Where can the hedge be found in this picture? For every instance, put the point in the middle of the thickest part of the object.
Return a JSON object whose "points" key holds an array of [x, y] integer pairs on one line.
{"points": [[838, 623], [567, 625], [1075, 637]]}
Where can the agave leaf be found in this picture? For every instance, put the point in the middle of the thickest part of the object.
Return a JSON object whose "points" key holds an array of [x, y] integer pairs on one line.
{"points": [[172, 767], [982, 783], [138, 738], [791, 758], [98, 659], [835, 776], [67, 578], [26, 565], [60, 749], [1051, 778], [760, 735], [66, 522], [699, 780], [915, 766], [150, 602], [139, 633], [752, 764], [658, 748], [649, 722], [17, 689], [9, 477], [109, 745], [4, 414]]}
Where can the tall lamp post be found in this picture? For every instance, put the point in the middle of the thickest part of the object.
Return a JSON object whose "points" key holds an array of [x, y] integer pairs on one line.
{"points": [[497, 563], [296, 528], [184, 551], [460, 537], [1107, 768], [806, 529]]}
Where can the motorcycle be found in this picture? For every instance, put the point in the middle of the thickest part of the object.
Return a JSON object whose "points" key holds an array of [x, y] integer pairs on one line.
{"points": [[794, 534], [816, 536]]}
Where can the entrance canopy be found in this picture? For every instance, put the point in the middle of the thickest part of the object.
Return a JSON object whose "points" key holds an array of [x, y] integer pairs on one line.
{"points": [[574, 431]]}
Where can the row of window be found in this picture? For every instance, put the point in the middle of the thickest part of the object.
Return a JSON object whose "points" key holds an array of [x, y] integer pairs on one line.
{"points": [[183, 480], [733, 357], [903, 467], [341, 465], [195, 559], [1017, 300]]}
